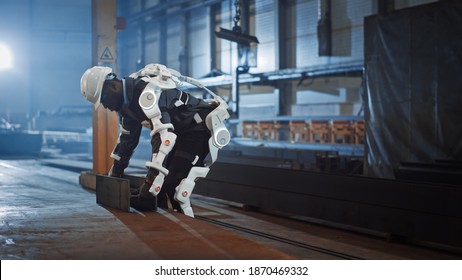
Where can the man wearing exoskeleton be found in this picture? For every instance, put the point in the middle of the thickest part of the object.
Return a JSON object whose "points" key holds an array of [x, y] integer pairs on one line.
{"points": [[184, 129]]}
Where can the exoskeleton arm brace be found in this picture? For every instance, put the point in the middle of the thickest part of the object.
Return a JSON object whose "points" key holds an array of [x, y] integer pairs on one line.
{"points": [[148, 101], [126, 143]]}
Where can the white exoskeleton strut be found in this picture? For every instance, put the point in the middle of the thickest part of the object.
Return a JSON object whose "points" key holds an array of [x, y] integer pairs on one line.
{"points": [[161, 78]]}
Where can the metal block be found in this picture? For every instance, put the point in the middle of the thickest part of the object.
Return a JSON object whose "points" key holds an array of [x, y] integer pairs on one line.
{"points": [[113, 192], [123, 193]]}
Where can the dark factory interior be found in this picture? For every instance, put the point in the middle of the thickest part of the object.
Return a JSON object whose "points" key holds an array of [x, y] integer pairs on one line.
{"points": [[334, 130]]}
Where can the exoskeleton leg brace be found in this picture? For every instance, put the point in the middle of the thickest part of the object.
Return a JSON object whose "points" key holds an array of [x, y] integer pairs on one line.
{"points": [[220, 137], [168, 142]]}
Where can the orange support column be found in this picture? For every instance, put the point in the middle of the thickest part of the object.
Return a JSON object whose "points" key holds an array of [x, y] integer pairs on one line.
{"points": [[105, 133], [105, 124]]}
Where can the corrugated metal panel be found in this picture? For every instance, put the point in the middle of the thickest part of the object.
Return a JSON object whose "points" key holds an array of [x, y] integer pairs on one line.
{"points": [[301, 18], [306, 48], [347, 38], [131, 52], [227, 59], [347, 25], [266, 58], [299, 36], [264, 6], [152, 46], [264, 30], [357, 35], [227, 13], [265, 27], [356, 11], [151, 3], [306, 17], [175, 43], [199, 42], [307, 51], [135, 6]]}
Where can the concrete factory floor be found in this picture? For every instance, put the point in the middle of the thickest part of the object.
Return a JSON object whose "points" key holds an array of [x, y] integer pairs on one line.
{"points": [[46, 214]]}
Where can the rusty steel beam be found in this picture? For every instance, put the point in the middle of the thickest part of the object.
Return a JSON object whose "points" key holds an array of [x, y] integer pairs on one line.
{"points": [[105, 126], [104, 122]]}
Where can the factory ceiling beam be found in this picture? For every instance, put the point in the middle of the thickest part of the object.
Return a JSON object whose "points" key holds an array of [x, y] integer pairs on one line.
{"points": [[185, 5]]}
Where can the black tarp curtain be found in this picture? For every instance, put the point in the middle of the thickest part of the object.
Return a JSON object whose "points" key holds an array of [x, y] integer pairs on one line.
{"points": [[413, 74]]}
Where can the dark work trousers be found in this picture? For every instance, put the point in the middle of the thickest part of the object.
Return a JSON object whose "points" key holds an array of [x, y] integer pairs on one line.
{"points": [[180, 161]]}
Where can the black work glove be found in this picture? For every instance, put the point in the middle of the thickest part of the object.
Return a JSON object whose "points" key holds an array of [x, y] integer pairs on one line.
{"points": [[145, 201], [112, 173], [144, 189]]}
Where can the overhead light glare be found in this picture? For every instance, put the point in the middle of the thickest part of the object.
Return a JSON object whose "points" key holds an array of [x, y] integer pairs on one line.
{"points": [[6, 57]]}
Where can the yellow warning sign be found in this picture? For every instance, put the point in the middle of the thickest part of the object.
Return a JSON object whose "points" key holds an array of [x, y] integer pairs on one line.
{"points": [[107, 55]]}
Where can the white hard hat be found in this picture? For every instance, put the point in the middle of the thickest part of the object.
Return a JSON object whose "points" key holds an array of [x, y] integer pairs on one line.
{"points": [[91, 83]]}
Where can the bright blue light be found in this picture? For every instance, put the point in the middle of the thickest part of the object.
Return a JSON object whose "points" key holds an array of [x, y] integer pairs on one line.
{"points": [[6, 57]]}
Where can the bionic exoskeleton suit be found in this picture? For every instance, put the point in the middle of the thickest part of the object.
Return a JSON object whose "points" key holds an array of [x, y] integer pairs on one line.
{"points": [[159, 79]]}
